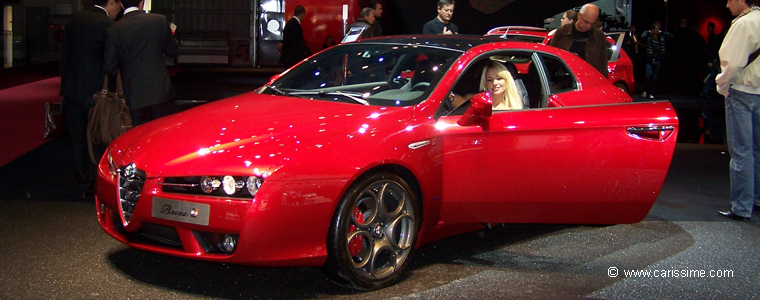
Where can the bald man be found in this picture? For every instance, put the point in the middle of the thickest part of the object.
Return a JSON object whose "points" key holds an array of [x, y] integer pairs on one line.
{"points": [[584, 39]]}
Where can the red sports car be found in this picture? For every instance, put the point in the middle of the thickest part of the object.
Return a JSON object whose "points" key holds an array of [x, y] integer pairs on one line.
{"points": [[343, 163], [619, 65]]}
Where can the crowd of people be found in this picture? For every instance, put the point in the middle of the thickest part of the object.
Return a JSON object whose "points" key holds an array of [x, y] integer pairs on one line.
{"points": [[684, 56]]}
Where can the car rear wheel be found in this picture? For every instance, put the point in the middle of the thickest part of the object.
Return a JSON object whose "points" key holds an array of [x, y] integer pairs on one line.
{"points": [[373, 232]]}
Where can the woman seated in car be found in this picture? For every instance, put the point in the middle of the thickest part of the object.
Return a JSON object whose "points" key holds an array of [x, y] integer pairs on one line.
{"points": [[498, 81]]}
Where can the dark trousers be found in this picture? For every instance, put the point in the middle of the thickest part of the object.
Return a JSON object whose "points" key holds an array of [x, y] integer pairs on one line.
{"points": [[149, 113], [653, 75], [77, 115]]}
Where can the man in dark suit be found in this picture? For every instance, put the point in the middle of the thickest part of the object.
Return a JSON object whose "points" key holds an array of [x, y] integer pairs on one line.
{"points": [[82, 75], [294, 47], [377, 6], [136, 47], [366, 20]]}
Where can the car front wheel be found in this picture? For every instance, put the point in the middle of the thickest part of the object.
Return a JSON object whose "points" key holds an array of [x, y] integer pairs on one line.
{"points": [[373, 232], [622, 86]]}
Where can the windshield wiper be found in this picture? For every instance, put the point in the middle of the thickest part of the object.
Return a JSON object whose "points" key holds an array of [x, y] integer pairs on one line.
{"points": [[276, 90], [349, 96], [333, 93]]}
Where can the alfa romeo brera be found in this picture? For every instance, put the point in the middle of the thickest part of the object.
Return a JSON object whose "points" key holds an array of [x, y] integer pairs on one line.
{"points": [[357, 156]]}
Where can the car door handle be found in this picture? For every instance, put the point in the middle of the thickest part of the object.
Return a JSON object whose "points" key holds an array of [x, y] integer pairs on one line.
{"points": [[420, 144], [657, 133]]}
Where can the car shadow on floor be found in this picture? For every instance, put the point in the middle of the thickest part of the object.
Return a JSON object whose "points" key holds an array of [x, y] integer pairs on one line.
{"points": [[518, 248]]}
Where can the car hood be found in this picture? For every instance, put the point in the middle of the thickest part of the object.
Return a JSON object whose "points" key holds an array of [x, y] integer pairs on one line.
{"points": [[247, 134]]}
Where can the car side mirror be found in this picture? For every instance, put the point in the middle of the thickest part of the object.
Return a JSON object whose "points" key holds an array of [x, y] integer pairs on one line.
{"points": [[274, 77], [479, 112]]}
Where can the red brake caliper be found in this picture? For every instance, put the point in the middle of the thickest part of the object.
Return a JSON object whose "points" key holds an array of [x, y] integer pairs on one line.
{"points": [[355, 244]]}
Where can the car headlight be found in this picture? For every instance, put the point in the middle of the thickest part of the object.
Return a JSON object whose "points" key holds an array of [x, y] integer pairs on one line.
{"points": [[111, 164], [209, 184], [220, 186], [253, 184], [228, 184]]}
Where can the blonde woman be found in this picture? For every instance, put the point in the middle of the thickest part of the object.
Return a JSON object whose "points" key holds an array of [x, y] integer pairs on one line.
{"points": [[498, 81]]}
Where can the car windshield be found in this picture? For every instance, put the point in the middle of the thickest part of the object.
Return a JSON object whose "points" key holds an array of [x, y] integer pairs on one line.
{"points": [[383, 74]]}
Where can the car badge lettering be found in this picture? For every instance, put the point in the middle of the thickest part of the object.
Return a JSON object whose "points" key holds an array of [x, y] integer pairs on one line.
{"points": [[167, 210], [181, 211]]}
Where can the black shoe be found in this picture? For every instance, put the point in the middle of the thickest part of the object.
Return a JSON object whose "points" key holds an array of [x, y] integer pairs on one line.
{"points": [[729, 214]]}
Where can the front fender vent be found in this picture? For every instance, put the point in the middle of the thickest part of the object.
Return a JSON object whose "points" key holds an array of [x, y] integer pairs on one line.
{"points": [[131, 182]]}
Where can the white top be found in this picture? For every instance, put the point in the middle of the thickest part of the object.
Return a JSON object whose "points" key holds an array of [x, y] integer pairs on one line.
{"points": [[741, 40], [131, 9], [98, 6]]}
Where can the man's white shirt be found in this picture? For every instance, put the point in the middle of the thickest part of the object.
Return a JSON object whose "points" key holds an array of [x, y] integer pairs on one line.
{"points": [[741, 40]]}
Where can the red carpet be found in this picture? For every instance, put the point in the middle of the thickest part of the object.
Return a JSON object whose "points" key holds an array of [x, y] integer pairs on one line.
{"points": [[22, 116]]}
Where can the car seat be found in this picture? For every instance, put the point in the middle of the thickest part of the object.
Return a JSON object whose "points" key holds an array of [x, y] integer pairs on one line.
{"points": [[518, 83], [533, 86], [423, 75]]}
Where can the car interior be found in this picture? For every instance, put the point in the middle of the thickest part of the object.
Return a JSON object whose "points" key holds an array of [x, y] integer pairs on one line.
{"points": [[415, 76]]}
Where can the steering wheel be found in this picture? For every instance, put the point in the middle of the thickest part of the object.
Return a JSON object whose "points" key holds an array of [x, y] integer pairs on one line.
{"points": [[398, 82], [420, 86]]}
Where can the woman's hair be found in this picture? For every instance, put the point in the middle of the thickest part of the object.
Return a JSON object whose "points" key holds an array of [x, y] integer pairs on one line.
{"points": [[511, 95]]}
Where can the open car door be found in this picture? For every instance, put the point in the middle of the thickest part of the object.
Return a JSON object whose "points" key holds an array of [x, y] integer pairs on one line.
{"points": [[598, 164]]}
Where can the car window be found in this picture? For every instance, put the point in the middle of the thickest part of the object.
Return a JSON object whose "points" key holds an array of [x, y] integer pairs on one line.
{"points": [[558, 74], [525, 79], [613, 47]]}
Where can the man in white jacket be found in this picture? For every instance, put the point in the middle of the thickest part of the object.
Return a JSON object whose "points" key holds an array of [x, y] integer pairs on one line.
{"points": [[739, 81]]}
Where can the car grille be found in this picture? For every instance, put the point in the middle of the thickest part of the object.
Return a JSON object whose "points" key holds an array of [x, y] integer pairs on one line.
{"points": [[148, 233], [131, 181], [159, 235]]}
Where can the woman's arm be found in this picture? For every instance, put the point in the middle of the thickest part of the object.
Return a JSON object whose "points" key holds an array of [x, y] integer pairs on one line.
{"points": [[459, 99]]}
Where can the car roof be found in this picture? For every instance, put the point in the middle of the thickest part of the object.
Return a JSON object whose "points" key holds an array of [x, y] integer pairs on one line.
{"points": [[460, 42]]}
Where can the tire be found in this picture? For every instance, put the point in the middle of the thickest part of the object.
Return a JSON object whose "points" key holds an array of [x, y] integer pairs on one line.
{"points": [[623, 87], [373, 233]]}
